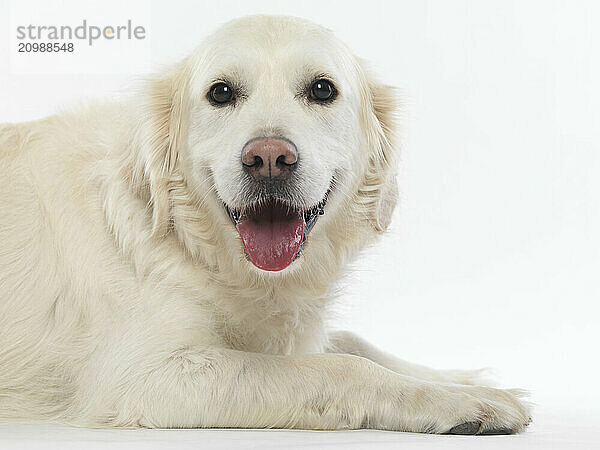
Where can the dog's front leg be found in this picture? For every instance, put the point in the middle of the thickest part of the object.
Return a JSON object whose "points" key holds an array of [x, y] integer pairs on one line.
{"points": [[349, 343], [198, 387]]}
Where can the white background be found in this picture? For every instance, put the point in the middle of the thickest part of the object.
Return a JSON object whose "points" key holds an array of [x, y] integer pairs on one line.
{"points": [[493, 259]]}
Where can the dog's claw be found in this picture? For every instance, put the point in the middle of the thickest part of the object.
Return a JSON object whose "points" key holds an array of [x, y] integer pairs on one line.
{"points": [[465, 428], [496, 431], [470, 428]]}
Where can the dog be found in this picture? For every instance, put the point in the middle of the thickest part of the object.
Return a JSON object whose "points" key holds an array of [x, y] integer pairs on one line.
{"points": [[167, 260]]}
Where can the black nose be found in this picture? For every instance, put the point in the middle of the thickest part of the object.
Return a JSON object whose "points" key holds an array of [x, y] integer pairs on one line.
{"points": [[269, 157]]}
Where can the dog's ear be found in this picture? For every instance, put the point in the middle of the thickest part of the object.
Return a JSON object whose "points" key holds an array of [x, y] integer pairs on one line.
{"points": [[379, 189], [160, 136]]}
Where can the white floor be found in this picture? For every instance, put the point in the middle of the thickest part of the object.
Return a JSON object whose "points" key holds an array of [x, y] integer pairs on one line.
{"points": [[549, 431]]}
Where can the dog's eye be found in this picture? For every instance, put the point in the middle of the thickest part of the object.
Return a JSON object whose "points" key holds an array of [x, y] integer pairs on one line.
{"points": [[220, 93], [322, 90]]}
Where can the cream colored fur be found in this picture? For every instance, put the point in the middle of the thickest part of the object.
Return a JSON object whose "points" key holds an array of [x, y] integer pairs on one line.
{"points": [[125, 296]]}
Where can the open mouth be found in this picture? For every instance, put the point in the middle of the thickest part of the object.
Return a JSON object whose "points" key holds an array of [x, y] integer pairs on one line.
{"points": [[274, 231]]}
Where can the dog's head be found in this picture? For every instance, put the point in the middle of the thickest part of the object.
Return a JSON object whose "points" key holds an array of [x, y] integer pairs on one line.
{"points": [[271, 130]]}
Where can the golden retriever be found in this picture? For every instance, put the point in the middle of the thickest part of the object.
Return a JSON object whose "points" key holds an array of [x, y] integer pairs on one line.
{"points": [[166, 260]]}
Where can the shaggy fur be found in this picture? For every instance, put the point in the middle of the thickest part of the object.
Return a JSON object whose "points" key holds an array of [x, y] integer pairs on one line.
{"points": [[125, 296]]}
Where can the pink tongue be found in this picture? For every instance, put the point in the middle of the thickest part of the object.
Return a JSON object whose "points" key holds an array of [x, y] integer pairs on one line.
{"points": [[271, 236]]}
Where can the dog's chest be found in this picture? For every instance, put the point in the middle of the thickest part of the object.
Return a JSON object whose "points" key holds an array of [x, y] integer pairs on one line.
{"points": [[287, 332]]}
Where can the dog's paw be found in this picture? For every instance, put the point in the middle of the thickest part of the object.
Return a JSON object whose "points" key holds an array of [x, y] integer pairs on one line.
{"points": [[484, 411]]}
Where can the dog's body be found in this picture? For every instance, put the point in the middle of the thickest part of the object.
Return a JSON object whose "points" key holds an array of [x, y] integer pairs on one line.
{"points": [[126, 298]]}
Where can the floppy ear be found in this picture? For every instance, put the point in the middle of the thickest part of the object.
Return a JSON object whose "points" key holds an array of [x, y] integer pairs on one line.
{"points": [[379, 190], [160, 137]]}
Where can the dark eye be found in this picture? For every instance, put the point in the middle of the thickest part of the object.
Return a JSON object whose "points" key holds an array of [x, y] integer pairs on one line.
{"points": [[220, 93], [322, 90]]}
